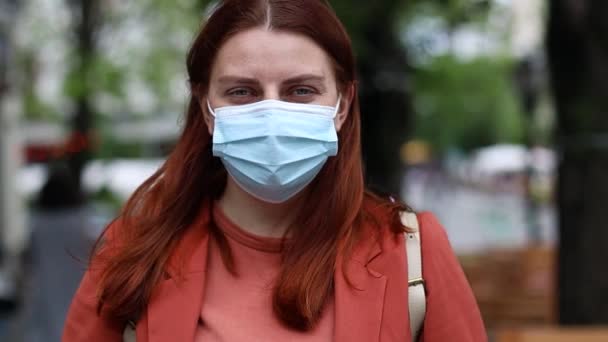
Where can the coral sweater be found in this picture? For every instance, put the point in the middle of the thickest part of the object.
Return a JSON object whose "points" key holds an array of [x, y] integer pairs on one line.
{"points": [[239, 307]]}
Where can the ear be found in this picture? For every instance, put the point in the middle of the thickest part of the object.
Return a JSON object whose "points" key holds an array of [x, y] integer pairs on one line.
{"points": [[345, 104], [208, 117]]}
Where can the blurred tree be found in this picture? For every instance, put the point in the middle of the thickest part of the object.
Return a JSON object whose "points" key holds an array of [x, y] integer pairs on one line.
{"points": [[115, 59], [384, 87], [469, 104], [41, 61], [33, 106], [577, 45], [463, 95], [87, 19], [105, 76]]}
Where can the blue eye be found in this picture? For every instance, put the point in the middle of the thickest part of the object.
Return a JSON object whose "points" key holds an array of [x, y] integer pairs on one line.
{"points": [[240, 92], [303, 91]]}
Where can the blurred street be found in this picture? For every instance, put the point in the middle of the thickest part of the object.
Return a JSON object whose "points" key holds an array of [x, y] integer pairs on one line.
{"points": [[478, 219], [59, 248]]}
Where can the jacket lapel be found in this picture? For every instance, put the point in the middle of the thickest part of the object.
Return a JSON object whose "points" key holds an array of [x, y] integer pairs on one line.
{"points": [[359, 308], [174, 308]]}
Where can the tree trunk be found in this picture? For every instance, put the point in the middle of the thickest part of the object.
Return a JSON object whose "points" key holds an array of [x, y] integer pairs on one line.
{"points": [[577, 45], [385, 105], [86, 21]]}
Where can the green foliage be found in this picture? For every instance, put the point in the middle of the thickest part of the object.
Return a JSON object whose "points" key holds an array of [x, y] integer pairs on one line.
{"points": [[164, 29], [461, 99], [107, 201], [35, 109], [454, 12], [466, 103], [172, 25], [97, 75], [110, 148]]}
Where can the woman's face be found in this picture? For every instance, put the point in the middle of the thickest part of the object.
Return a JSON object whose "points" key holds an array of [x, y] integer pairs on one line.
{"points": [[259, 64]]}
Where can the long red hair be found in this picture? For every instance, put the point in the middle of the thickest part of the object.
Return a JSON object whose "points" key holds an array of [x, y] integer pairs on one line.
{"points": [[157, 215]]}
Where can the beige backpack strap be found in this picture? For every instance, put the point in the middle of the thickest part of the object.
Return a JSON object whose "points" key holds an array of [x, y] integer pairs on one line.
{"points": [[417, 294], [129, 334]]}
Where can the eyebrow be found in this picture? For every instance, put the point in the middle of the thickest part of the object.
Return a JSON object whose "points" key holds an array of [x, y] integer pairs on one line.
{"points": [[305, 78], [253, 81], [237, 79]]}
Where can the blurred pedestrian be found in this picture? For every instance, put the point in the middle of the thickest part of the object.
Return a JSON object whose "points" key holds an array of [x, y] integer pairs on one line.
{"points": [[58, 255], [258, 227]]}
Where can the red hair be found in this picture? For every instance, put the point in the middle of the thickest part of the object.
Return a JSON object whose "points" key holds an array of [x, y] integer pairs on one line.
{"points": [[157, 215]]}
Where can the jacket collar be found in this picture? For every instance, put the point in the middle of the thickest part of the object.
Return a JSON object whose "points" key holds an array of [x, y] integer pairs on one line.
{"points": [[174, 309]]}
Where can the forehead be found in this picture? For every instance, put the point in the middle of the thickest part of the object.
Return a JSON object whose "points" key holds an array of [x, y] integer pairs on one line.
{"points": [[266, 54]]}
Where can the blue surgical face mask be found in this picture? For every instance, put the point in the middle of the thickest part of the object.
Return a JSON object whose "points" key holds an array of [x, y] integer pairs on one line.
{"points": [[274, 149]]}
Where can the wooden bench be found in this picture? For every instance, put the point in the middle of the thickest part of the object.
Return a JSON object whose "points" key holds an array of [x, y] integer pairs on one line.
{"points": [[552, 334]]}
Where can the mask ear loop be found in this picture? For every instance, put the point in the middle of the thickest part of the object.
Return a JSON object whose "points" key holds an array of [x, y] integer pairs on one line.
{"points": [[210, 109], [337, 106]]}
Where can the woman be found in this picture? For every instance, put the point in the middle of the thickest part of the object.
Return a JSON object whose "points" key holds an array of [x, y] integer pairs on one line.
{"points": [[257, 227]]}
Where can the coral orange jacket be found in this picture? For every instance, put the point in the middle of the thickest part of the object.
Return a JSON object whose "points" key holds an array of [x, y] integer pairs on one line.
{"points": [[376, 309]]}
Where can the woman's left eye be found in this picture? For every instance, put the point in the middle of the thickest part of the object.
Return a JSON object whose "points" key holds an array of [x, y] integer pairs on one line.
{"points": [[303, 91]]}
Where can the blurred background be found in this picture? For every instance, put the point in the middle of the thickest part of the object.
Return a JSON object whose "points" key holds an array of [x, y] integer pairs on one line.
{"points": [[486, 112]]}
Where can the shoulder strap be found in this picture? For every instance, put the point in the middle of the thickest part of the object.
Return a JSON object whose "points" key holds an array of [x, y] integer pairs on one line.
{"points": [[129, 334], [417, 295]]}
